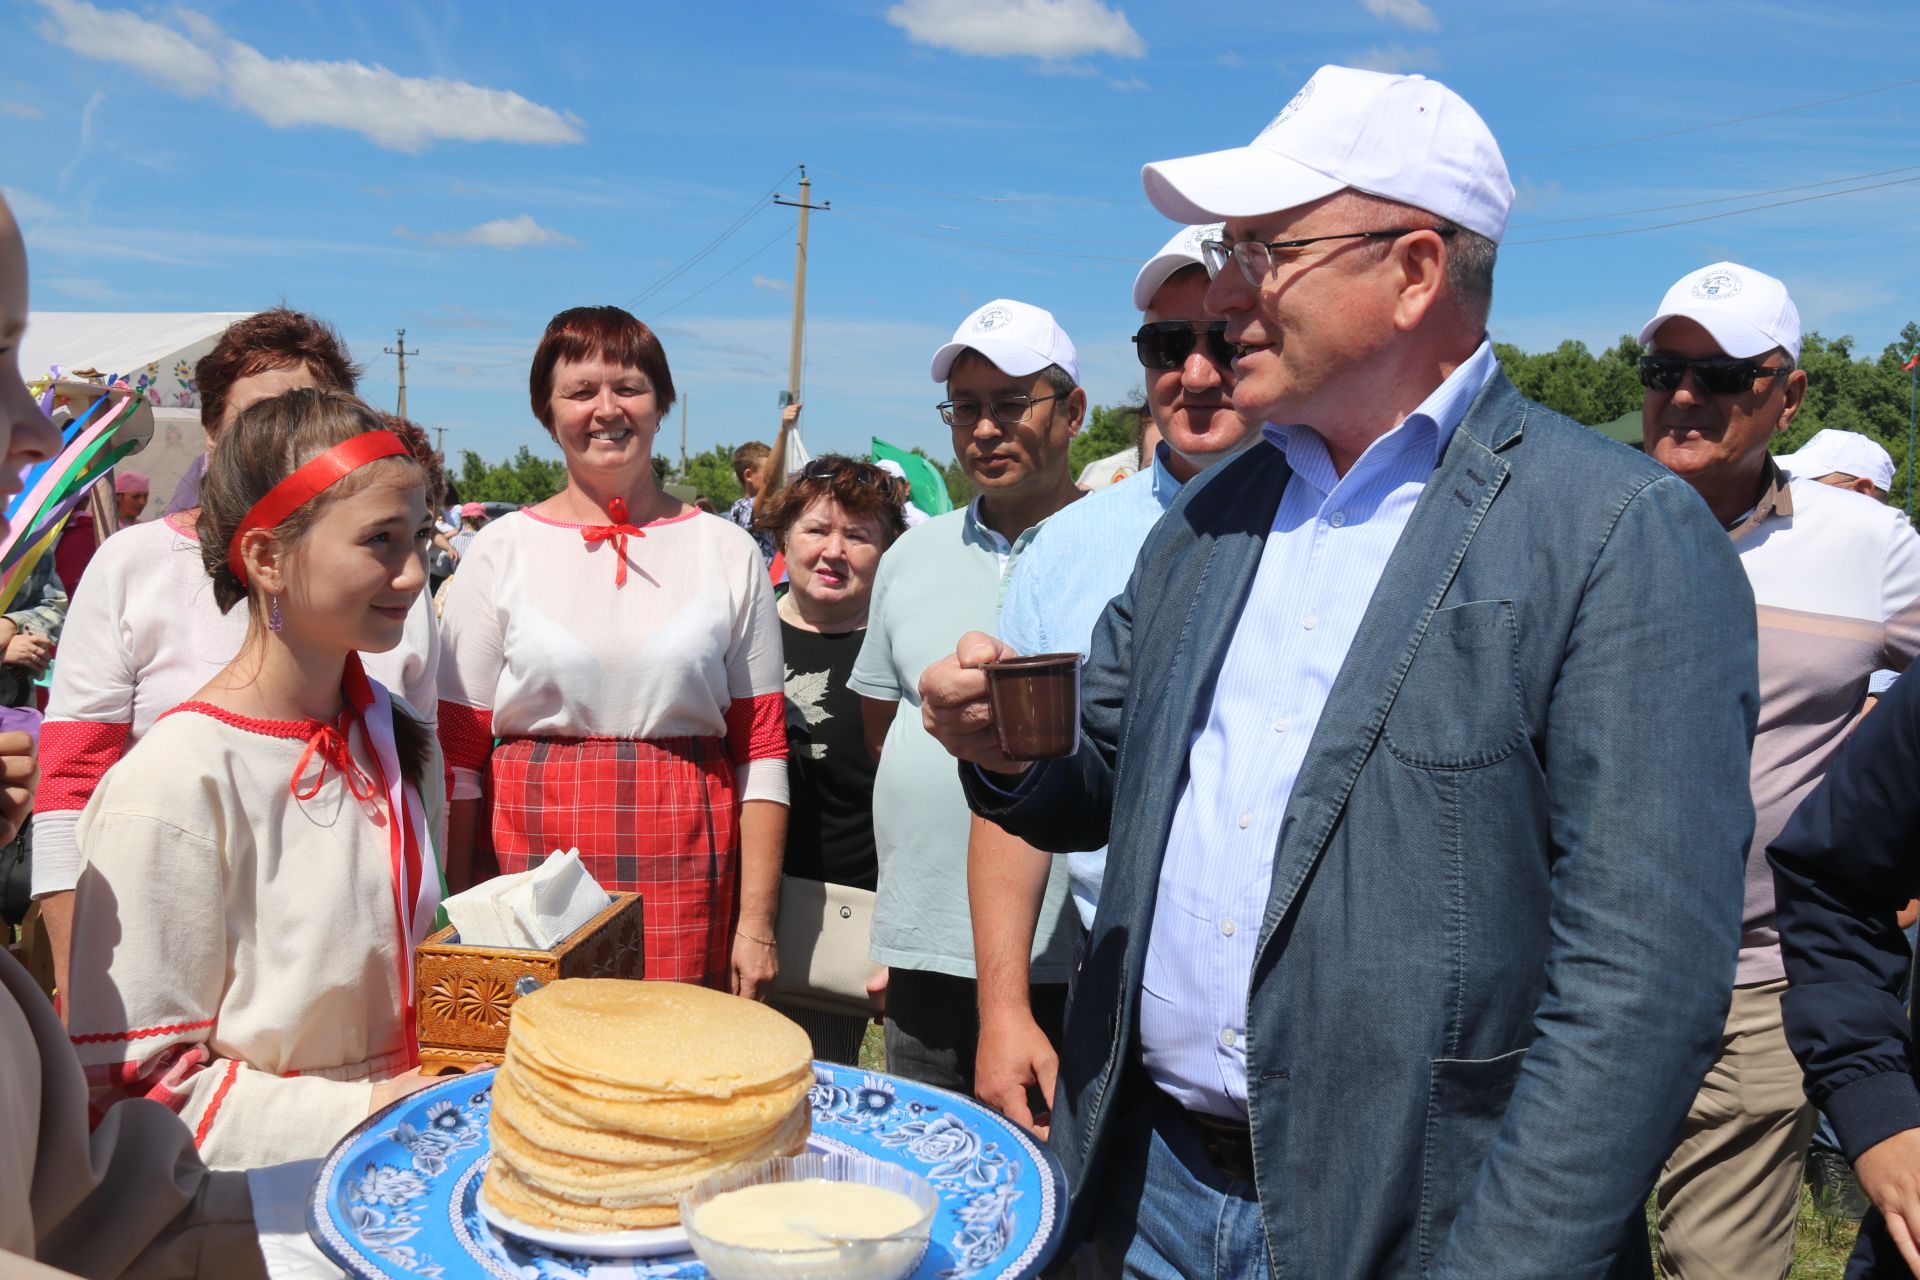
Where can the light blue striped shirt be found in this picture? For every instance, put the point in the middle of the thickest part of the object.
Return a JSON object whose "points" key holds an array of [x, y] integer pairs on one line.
{"points": [[1080, 560], [1329, 544]]}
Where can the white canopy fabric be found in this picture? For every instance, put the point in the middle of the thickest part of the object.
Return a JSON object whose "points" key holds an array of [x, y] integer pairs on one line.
{"points": [[123, 342]]}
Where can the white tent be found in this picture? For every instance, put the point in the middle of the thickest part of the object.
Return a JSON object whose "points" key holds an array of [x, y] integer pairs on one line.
{"points": [[153, 350]]}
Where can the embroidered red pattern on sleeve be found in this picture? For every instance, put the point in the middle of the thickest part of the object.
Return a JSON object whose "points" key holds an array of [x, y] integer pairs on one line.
{"points": [[466, 736], [757, 728], [74, 756]]}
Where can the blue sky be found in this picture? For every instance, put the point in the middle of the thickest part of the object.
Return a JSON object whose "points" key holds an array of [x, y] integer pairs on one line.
{"points": [[467, 169]]}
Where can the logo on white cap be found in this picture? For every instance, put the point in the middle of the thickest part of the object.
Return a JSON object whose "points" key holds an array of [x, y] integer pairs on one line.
{"points": [[1717, 285], [1293, 106], [987, 321]]}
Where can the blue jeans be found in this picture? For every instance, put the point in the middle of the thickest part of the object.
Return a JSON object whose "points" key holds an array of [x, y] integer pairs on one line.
{"points": [[1166, 1211]]}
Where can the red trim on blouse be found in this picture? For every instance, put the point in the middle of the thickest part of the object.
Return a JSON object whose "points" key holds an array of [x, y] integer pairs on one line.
{"points": [[757, 728], [300, 730], [219, 1096], [108, 1037], [74, 756], [569, 524]]}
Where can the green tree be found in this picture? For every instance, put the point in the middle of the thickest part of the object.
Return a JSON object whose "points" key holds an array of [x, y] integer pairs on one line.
{"points": [[1109, 429], [712, 474], [524, 479]]}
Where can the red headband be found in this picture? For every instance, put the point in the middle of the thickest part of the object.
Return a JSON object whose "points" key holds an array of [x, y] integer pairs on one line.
{"points": [[306, 484]]}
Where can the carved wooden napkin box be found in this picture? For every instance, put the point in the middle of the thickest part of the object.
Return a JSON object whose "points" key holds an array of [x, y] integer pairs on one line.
{"points": [[466, 993]]}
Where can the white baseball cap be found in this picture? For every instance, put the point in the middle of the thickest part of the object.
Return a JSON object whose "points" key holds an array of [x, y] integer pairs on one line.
{"points": [[1178, 254], [1402, 138], [1018, 337], [1748, 312], [1847, 452]]}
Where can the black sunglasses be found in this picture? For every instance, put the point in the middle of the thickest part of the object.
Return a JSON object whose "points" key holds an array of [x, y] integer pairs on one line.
{"points": [[1719, 375], [1166, 344], [830, 469]]}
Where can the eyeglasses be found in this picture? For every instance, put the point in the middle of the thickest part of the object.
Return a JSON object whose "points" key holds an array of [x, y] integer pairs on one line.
{"points": [[1718, 375], [831, 469], [1255, 257], [1165, 344], [1008, 411]]}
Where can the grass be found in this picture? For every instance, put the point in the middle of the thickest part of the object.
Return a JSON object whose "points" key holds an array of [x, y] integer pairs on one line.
{"points": [[1820, 1248]]}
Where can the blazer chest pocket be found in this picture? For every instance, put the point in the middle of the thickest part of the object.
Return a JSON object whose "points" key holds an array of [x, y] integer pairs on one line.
{"points": [[1459, 706]]}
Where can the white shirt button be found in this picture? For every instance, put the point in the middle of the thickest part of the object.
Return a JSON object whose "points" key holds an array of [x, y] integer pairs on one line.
{"points": [[1227, 926], [1309, 622], [1246, 820], [1280, 725], [1227, 1037], [1337, 519]]}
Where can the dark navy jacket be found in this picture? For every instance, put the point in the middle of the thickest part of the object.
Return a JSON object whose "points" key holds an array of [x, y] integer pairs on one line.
{"points": [[1847, 862], [1499, 943]]}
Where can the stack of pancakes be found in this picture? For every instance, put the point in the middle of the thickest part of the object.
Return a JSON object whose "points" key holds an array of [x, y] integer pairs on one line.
{"points": [[618, 1096]]}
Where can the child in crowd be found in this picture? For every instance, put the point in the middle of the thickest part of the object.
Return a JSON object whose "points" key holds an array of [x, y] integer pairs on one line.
{"points": [[257, 870]]}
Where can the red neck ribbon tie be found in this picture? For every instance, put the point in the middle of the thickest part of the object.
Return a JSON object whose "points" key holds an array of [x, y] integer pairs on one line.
{"points": [[616, 535], [329, 743]]}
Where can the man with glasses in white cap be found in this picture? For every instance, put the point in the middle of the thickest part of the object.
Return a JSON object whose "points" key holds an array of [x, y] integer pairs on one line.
{"points": [[1837, 584], [1078, 561], [1014, 406], [1423, 797]]}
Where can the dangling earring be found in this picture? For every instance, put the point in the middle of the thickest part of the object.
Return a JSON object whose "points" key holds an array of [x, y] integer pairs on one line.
{"points": [[274, 621]]}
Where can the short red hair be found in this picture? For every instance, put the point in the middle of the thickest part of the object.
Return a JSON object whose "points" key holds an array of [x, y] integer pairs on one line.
{"points": [[609, 332], [272, 339]]}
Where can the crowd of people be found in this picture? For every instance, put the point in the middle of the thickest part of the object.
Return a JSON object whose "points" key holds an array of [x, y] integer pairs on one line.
{"points": [[1474, 827]]}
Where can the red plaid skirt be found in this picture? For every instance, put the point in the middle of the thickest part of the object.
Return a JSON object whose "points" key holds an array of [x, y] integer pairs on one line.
{"points": [[659, 818]]}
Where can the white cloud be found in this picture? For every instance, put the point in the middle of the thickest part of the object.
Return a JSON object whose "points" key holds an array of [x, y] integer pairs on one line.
{"points": [[161, 54], [20, 110], [501, 233], [1398, 58], [84, 288], [1030, 28], [1412, 13], [1132, 84], [402, 113], [769, 284]]}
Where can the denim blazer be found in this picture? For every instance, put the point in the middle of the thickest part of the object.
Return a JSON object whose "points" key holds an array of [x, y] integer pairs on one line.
{"points": [[1499, 945]]}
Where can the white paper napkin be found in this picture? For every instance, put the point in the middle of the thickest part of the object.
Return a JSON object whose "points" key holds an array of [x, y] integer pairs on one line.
{"points": [[535, 909]]}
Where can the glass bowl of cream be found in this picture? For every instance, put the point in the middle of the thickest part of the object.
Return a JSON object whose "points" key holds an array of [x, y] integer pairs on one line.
{"points": [[818, 1214]]}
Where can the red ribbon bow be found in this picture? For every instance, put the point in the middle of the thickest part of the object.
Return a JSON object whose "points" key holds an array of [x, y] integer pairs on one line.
{"points": [[329, 742], [616, 534]]}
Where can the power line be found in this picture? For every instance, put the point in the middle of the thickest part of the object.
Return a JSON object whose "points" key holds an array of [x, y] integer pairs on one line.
{"points": [[1709, 217], [753, 211], [778, 236], [1695, 204], [1719, 124], [997, 248], [998, 235], [949, 195]]}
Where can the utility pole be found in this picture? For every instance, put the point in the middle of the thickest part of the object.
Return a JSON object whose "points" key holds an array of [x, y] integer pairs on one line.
{"points": [[400, 349], [805, 205], [685, 396]]}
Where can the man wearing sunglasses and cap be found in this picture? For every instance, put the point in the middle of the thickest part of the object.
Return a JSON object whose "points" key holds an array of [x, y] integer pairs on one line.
{"points": [[1014, 405], [1079, 560], [1423, 795], [1837, 581]]}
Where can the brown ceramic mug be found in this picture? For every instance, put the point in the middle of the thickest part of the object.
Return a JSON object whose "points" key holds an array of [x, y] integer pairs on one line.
{"points": [[1036, 705]]}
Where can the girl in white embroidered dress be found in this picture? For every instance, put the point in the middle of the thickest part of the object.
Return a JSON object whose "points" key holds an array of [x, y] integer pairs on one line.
{"points": [[261, 983]]}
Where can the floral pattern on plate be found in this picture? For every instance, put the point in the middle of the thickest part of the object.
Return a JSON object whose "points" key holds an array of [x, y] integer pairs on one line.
{"points": [[398, 1196]]}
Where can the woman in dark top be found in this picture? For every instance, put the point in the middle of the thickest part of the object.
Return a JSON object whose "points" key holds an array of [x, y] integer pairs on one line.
{"points": [[832, 521]]}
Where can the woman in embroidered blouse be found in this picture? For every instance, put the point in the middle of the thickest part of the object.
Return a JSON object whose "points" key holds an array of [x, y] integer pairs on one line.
{"points": [[623, 647], [262, 984]]}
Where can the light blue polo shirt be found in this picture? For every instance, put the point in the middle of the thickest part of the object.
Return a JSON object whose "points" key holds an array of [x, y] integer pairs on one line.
{"points": [[1078, 561], [941, 580]]}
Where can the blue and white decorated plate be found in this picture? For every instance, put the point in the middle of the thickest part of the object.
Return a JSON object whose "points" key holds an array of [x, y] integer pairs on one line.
{"points": [[398, 1196]]}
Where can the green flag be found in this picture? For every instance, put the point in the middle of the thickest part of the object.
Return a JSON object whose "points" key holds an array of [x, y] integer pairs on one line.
{"points": [[929, 485]]}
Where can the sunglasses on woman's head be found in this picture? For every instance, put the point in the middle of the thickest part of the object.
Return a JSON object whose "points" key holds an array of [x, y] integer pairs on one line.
{"points": [[1166, 344], [1718, 375], [830, 469]]}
